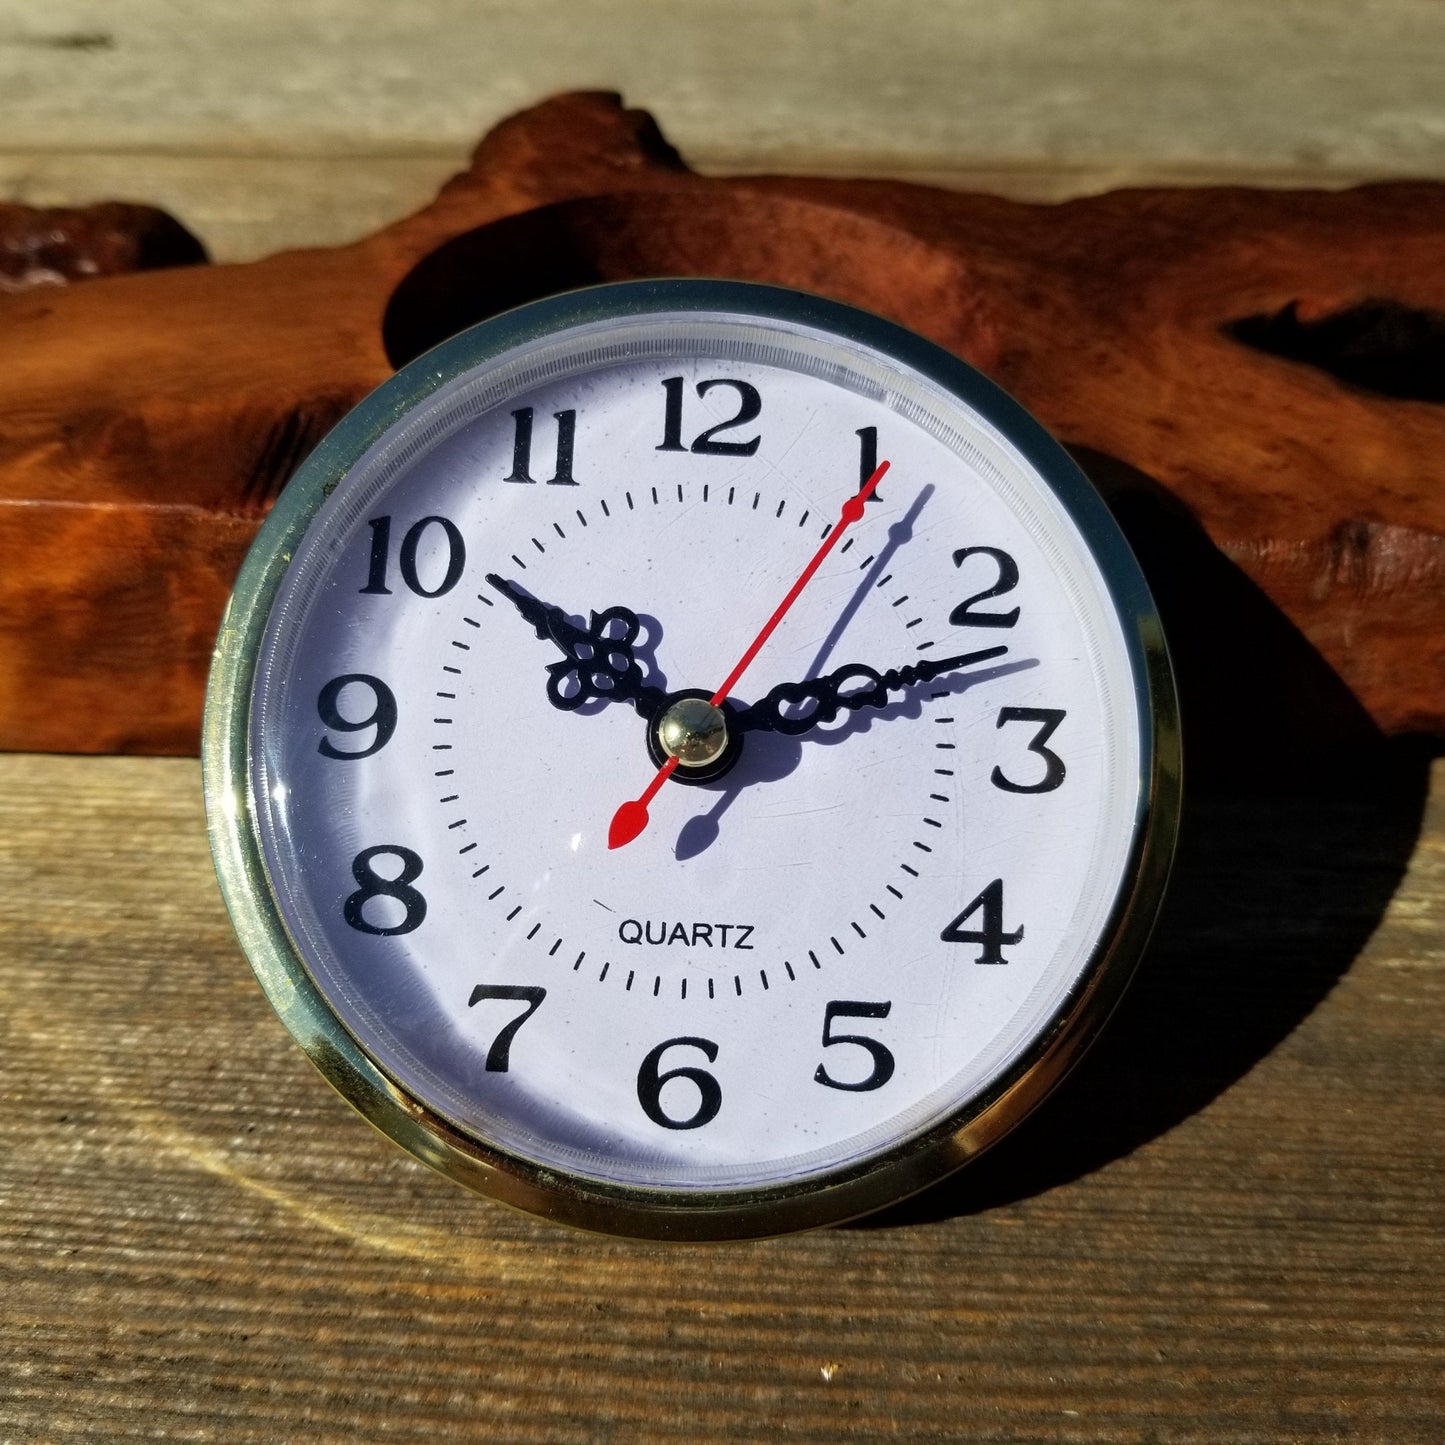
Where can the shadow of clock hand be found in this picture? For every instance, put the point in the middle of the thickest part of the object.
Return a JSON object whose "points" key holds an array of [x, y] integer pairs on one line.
{"points": [[771, 756], [1299, 820], [900, 533]]}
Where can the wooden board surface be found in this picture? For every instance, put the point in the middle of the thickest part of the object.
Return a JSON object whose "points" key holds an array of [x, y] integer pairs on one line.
{"points": [[298, 122], [1228, 1227]]}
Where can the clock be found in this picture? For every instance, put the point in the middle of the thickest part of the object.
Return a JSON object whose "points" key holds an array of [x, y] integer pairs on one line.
{"points": [[691, 759]]}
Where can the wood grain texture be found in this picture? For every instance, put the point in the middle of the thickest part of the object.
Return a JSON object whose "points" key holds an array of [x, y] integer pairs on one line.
{"points": [[1227, 1226], [1313, 86], [158, 415], [316, 123]]}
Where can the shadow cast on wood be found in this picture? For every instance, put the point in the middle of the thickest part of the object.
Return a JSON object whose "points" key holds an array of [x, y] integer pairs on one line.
{"points": [[1299, 821]]}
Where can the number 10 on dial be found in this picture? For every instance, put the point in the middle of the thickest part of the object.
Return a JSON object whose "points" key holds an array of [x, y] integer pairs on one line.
{"points": [[653, 821]]}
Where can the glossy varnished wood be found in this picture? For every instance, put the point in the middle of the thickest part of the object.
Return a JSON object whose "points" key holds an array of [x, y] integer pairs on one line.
{"points": [[1227, 1227], [158, 414]]}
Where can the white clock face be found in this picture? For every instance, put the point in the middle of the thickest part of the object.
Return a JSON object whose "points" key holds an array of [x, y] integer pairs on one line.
{"points": [[898, 880]]}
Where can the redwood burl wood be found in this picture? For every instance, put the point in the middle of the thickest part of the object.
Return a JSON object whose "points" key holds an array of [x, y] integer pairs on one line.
{"points": [[52, 246], [1257, 375]]}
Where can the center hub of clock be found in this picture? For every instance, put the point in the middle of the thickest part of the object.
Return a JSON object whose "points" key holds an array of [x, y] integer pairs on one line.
{"points": [[695, 732]]}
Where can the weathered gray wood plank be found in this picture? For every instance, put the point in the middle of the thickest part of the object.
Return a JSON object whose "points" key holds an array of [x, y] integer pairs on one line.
{"points": [[1310, 83], [193, 108], [200, 1240]]}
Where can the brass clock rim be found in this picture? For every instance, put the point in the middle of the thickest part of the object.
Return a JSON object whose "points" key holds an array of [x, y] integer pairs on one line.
{"points": [[885, 1178]]}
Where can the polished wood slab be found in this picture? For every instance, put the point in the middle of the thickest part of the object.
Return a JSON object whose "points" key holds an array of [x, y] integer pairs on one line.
{"points": [[1268, 364]]}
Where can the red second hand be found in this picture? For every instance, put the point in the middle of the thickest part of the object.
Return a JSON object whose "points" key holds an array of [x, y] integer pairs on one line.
{"points": [[631, 818]]}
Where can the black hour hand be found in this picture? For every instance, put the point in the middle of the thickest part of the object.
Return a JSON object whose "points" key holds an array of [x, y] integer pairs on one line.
{"points": [[598, 660], [821, 699]]}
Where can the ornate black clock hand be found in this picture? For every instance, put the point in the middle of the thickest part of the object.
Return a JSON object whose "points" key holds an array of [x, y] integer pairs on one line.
{"points": [[596, 665], [828, 698]]}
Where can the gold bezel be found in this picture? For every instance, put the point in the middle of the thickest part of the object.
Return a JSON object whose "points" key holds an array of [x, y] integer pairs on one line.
{"points": [[885, 1178]]}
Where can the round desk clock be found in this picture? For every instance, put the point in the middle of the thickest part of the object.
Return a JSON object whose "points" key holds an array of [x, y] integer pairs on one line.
{"points": [[691, 760]]}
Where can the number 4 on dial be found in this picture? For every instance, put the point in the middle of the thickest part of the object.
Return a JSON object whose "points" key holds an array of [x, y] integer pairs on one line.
{"points": [[991, 935]]}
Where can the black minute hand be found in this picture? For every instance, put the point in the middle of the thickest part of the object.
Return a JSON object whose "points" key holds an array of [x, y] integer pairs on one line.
{"points": [[867, 688], [595, 664]]}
